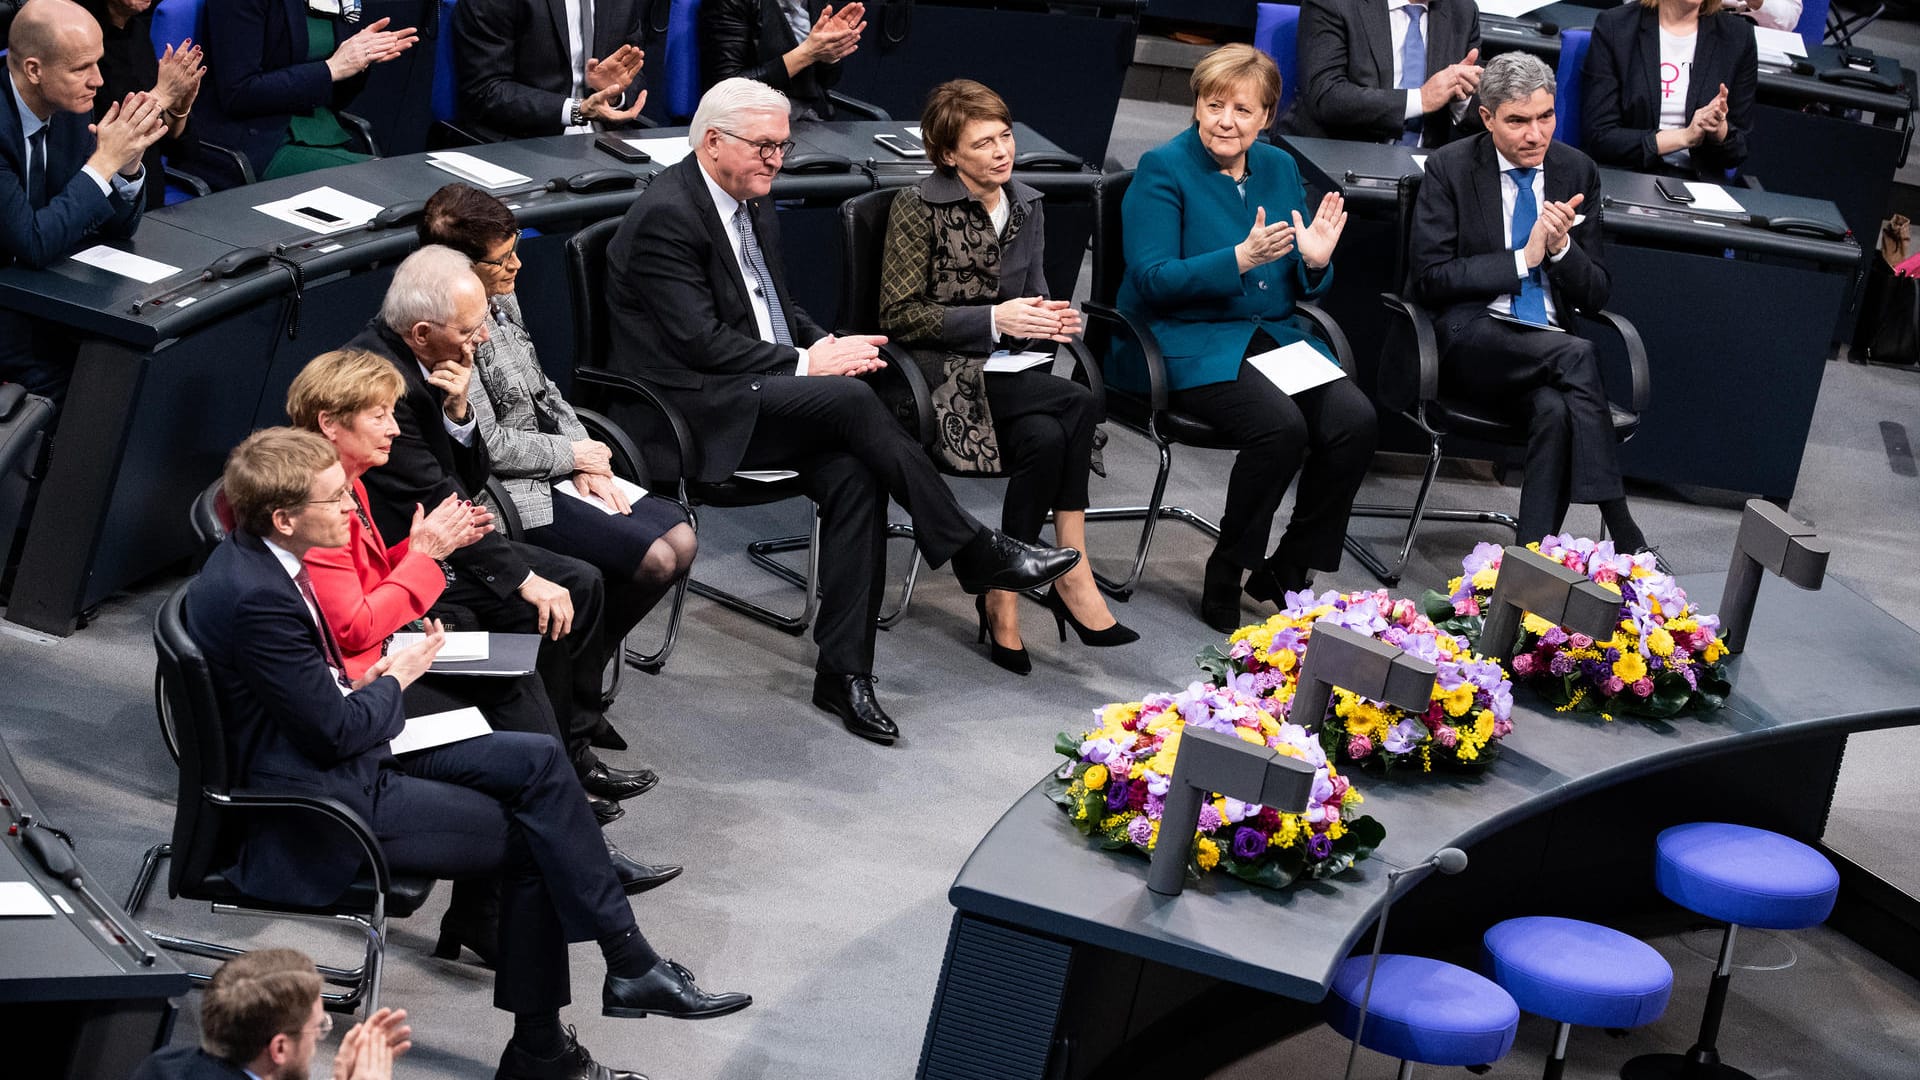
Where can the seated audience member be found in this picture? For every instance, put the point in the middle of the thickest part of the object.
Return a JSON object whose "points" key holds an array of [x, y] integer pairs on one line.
{"points": [[276, 71], [1539, 268], [503, 805], [794, 46], [536, 443], [700, 310], [523, 70], [62, 187], [434, 315], [1349, 90], [261, 1019], [128, 65], [1776, 14], [1217, 254], [1670, 87], [368, 591], [965, 273]]}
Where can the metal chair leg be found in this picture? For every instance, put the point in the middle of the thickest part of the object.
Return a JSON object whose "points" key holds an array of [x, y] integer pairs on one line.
{"points": [[760, 551], [1149, 516], [1418, 512], [652, 662]]}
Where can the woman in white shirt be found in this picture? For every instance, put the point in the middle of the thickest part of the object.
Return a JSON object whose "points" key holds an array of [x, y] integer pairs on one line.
{"points": [[1670, 87]]}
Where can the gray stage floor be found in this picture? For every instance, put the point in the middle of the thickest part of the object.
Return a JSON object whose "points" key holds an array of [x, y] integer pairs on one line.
{"points": [[818, 864]]}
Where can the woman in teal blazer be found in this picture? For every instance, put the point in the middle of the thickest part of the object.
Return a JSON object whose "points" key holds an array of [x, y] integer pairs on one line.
{"points": [[1217, 254]]}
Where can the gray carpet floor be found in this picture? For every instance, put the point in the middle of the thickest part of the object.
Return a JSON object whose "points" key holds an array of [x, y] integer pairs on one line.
{"points": [[818, 864]]}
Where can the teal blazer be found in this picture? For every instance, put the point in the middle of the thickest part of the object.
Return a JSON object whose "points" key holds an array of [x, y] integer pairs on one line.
{"points": [[1182, 218]]}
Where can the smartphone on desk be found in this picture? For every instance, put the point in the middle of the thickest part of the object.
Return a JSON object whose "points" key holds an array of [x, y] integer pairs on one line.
{"points": [[1673, 191], [319, 215], [901, 145]]}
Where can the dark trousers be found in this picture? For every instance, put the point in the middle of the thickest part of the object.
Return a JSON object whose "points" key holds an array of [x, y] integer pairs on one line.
{"points": [[1552, 381], [570, 668], [507, 805], [616, 544], [509, 704], [853, 456], [1325, 434], [1044, 426]]}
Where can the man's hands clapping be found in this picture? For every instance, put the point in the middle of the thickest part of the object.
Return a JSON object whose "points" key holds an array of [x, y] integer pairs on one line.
{"points": [[609, 79], [855, 354], [1550, 229], [1036, 318], [835, 35], [123, 135], [1455, 82], [454, 524], [367, 1050], [372, 45], [408, 664]]}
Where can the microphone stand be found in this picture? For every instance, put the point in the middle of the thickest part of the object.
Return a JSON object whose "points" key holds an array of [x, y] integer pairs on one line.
{"points": [[1379, 938]]}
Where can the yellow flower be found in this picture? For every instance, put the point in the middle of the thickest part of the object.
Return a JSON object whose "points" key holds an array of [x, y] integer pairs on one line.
{"points": [[1283, 660], [1715, 650], [1485, 577], [1453, 584], [1660, 641], [1534, 624], [1483, 727], [1630, 667], [1288, 834], [1250, 735], [1458, 700], [1206, 853], [1611, 586], [1465, 750], [1139, 769], [1095, 778], [1336, 829]]}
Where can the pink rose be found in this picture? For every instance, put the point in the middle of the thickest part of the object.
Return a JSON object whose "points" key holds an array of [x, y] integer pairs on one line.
{"points": [[1446, 736], [1359, 746], [1582, 641], [1643, 687], [1340, 786], [1501, 728], [1613, 685], [1523, 664]]}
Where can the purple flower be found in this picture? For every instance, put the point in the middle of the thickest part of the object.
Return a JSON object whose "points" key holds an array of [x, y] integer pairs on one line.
{"points": [[1155, 803], [1405, 736], [1554, 636], [1117, 794], [1248, 843], [1140, 830], [1209, 818], [1157, 786], [1560, 665], [1319, 846]]}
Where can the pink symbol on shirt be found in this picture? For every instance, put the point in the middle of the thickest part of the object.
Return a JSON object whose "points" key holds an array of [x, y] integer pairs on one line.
{"points": [[1669, 74]]}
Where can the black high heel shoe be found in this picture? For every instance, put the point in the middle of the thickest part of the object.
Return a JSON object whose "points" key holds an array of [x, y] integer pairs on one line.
{"points": [[1014, 660], [1272, 582], [1117, 634], [1220, 595]]}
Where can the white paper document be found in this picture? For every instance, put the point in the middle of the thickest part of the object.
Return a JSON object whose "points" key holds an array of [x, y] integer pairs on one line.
{"points": [[23, 900], [439, 729], [766, 476], [322, 210], [461, 644], [914, 131], [1420, 160], [634, 493], [125, 263], [1776, 46], [1006, 363], [1296, 367], [1713, 197], [474, 171], [664, 151], [1512, 9]]}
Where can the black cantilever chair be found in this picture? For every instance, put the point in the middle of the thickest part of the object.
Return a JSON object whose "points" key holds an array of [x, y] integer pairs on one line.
{"points": [[1409, 384], [594, 381], [1150, 414], [210, 811]]}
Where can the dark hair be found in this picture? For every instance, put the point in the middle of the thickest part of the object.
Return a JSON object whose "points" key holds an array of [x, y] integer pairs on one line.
{"points": [[951, 106], [254, 997], [466, 219]]}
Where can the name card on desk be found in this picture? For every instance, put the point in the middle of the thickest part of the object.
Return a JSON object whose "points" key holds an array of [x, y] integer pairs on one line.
{"points": [[1296, 367], [125, 263], [23, 900], [439, 729]]}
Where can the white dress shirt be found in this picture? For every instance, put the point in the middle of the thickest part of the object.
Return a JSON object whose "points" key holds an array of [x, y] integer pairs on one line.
{"points": [[1398, 28], [1510, 194], [29, 123], [725, 205], [1778, 14], [577, 56], [462, 433]]}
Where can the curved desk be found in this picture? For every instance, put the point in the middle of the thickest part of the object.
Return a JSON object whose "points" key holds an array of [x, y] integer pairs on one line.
{"points": [[1562, 823], [170, 375]]}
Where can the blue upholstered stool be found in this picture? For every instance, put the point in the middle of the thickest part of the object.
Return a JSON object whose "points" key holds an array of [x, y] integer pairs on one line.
{"points": [[1422, 1010], [1743, 877], [1577, 973]]}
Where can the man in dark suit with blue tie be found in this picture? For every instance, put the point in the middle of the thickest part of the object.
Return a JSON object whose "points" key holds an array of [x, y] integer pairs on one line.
{"points": [[63, 180], [1386, 71], [504, 804], [1505, 249]]}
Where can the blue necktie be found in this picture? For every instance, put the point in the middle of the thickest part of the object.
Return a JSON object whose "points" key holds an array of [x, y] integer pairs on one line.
{"points": [[757, 263], [1530, 303], [37, 169], [1413, 67]]}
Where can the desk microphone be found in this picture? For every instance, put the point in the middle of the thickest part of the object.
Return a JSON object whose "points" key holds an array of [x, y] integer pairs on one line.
{"points": [[1448, 860]]}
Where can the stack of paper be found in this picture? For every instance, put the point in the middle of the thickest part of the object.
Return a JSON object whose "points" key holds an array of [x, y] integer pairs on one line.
{"points": [[475, 171], [634, 493], [1777, 47], [460, 644], [125, 263], [1713, 198], [322, 210], [1006, 363]]}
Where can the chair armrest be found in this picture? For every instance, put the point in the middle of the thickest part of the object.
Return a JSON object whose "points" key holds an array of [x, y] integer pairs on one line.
{"points": [[511, 526], [901, 367], [1399, 388], [325, 807], [1143, 340], [862, 110], [626, 456], [1330, 332], [1075, 355], [238, 159], [632, 388], [363, 129], [1642, 378], [185, 179]]}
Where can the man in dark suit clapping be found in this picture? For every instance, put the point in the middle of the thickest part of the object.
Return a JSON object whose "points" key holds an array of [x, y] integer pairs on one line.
{"points": [[543, 67], [1386, 70], [700, 310], [1506, 248]]}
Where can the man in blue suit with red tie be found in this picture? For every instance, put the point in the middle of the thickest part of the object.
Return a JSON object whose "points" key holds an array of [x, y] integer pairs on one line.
{"points": [[63, 181], [503, 804]]}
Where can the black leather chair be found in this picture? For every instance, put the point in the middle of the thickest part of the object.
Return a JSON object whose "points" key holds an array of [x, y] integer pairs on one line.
{"points": [[595, 382], [212, 520], [1409, 384], [210, 811], [1150, 414]]}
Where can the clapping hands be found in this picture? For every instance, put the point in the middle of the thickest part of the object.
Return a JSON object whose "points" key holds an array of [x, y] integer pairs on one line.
{"points": [[609, 79], [367, 1051], [181, 70], [373, 45], [1316, 241], [835, 35], [1709, 121], [1455, 82], [1551, 227], [454, 524]]}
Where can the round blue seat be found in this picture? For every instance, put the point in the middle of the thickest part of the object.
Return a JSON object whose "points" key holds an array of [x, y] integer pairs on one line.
{"points": [[1578, 973], [1424, 1010], [1745, 876]]}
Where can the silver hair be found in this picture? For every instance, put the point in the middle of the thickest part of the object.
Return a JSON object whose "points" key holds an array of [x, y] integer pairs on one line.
{"points": [[727, 104], [423, 287], [1513, 76]]}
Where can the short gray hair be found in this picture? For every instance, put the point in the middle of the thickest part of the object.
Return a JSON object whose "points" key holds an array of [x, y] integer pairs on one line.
{"points": [[1513, 76], [727, 104], [423, 287]]}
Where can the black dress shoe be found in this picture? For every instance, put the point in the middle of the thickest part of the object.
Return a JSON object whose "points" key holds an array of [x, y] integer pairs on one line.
{"points": [[1220, 595], [1274, 581], [574, 1063], [479, 934], [851, 698], [610, 783], [637, 877], [994, 560], [605, 811], [666, 990], [606, 737]]}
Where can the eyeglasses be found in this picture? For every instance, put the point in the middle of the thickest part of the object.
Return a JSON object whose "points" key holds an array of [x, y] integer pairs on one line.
{"points": [[768, 150], [335, 499], [471, 336], [322, 1027], [512, 255]]}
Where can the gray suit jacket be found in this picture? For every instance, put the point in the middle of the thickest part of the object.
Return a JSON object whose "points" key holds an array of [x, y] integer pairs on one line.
{"points": [[528, 427], [1346, 70]]}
